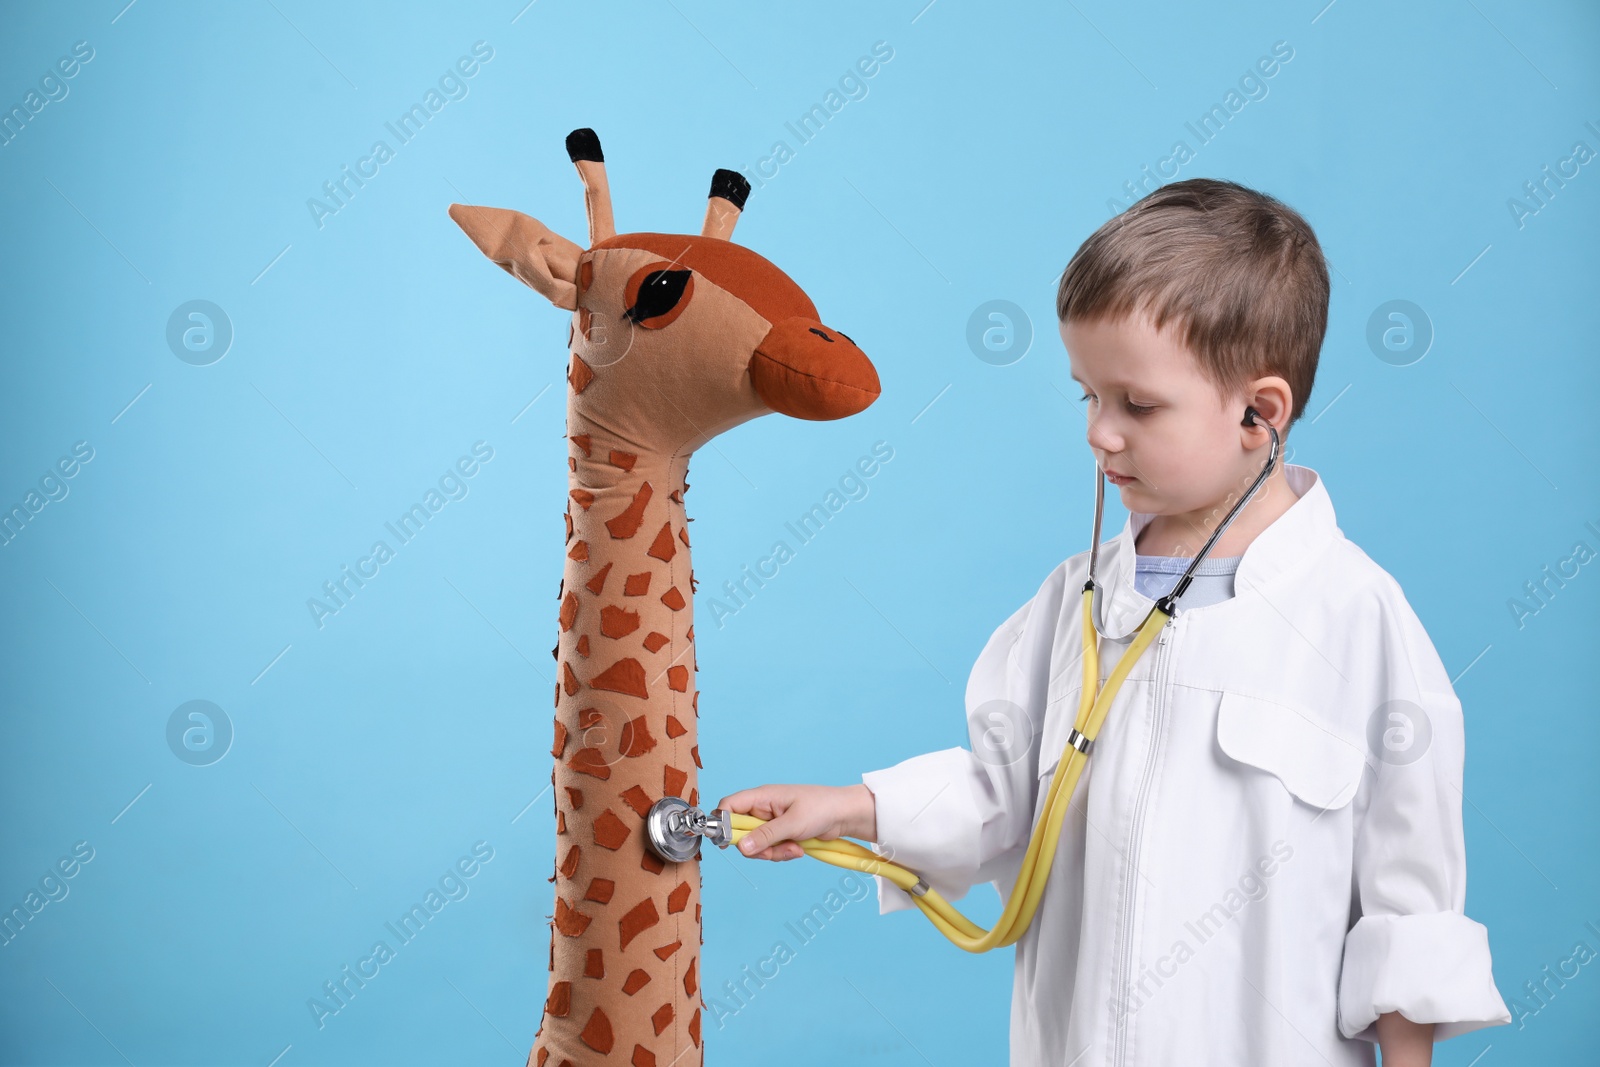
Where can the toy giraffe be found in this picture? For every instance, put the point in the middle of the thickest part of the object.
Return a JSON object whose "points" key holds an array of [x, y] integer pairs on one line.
{"points": [[675, 339]]}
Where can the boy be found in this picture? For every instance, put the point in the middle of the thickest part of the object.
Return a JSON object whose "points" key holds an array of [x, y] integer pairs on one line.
{"points": [[1263, 862]]}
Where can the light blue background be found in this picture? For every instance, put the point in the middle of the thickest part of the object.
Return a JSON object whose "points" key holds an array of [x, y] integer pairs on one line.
{"points": [[370, 353]]}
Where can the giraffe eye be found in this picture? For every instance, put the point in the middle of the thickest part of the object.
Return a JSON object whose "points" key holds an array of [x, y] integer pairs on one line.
{"points": [[657, 294]]}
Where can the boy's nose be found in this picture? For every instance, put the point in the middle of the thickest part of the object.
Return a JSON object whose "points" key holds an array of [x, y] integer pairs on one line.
{"points": [[1101, 439]]}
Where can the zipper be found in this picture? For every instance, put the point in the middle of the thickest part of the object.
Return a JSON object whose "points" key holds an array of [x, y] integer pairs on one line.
{"points": [[1124, 985]]}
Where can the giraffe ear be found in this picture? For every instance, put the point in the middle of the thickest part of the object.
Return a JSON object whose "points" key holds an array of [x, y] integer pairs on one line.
{"points": [[810, 371], [530, 251]]}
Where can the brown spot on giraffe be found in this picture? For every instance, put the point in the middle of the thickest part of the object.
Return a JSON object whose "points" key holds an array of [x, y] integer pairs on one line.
{"points": [[678, 898], [638, 919], [637, 799], [698, 332], [590, 761], [581, 375], [636, 738], [597, 1033], [662, 547], [626, 524], [624, 676], [610, 831], [618, 622], [570, 921]]}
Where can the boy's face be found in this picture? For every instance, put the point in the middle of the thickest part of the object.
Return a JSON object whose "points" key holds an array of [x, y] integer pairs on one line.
{"points": [[1162, 432]]}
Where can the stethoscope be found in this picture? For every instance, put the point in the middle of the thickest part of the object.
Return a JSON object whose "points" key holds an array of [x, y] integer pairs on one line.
{"points": [[1169, 603], [675, 828]]}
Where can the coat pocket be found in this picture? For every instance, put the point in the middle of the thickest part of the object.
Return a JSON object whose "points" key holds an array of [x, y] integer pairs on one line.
{"points": [[1314, 763]]}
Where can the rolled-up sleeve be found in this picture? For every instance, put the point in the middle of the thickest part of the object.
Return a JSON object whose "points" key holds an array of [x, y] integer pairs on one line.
{"points": [[960, 816], [1413, 950]]}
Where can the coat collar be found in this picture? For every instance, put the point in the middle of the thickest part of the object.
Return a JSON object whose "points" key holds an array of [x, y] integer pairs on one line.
{"points": [[1299, 533]]}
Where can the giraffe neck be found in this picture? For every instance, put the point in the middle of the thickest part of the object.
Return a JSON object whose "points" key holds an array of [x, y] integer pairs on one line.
{"points": [[625, 938], [628, 562]]}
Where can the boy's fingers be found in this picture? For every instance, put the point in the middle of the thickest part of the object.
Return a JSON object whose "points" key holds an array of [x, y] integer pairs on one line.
{"points": [[759, 802], [766, 835], [754, 841]]}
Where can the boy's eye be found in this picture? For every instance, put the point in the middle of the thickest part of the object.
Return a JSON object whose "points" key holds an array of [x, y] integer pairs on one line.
{"points": [[1137, 409]]}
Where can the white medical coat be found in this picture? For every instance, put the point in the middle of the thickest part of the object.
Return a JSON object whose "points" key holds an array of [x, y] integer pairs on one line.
{"points": [[1243, 877]]}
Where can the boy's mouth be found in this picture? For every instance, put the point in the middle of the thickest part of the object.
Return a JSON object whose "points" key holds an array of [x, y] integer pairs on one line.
{"points": [[1119, 479]]}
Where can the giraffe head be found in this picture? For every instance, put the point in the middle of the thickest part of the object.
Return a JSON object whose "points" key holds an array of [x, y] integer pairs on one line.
{"points": [[676, 337]]}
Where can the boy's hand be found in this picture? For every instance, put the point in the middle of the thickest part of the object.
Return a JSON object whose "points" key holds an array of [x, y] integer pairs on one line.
{"points": [[796, 812]]}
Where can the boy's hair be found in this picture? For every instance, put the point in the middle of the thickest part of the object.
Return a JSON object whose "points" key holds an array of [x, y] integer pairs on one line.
{"points": [[1239, 273]]}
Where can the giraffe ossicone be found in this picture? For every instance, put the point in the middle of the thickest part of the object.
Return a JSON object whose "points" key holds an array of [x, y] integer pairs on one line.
{"points": [[675, 338]]}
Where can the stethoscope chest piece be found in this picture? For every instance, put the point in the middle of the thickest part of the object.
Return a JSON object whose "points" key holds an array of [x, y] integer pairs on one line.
{"points": [[674, 829]]}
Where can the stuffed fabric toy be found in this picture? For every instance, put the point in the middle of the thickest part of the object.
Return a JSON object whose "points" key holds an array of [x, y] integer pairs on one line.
{"points": [[675, 339]]}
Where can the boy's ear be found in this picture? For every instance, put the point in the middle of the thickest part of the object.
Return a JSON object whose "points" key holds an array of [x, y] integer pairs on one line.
{"points": [[530, 251]]}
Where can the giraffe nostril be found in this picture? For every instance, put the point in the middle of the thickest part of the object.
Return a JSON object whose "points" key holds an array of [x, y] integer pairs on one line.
{"points": [[821, 334]]}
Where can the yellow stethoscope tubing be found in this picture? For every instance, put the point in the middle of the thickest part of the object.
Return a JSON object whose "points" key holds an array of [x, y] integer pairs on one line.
{"points": [[1093, 704]]}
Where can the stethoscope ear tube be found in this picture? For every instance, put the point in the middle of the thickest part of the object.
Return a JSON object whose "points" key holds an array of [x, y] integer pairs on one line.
{"points": [[1169, 603]]}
